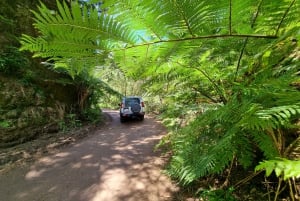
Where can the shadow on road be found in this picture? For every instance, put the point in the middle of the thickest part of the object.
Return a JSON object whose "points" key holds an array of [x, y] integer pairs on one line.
{"points": [[117, 163]]}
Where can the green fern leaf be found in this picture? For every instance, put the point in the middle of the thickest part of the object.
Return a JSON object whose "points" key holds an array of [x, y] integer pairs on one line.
{"points": [[282, 167]]}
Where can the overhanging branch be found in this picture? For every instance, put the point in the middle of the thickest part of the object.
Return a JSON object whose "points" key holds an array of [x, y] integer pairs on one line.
{"points": [[205, 37]]}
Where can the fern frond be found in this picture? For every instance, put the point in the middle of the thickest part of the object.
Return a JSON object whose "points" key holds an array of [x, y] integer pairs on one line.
{"points": [[177, 26], [216, 137], [265, 144], [282, 167], [77, 30], [272, 15], [278, 116], [134, 13]]}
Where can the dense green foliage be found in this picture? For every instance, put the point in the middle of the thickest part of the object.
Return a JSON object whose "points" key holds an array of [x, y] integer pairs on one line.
{"points": [[35, 98], [257, 111], [224, 74]]}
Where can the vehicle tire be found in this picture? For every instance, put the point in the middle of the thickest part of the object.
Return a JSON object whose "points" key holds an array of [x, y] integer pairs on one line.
{"points": [[122, 120], [142, 118], [135, 108]]}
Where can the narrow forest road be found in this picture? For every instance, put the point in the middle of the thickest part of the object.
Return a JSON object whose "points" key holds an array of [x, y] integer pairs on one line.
{"points": [[117, 163]]}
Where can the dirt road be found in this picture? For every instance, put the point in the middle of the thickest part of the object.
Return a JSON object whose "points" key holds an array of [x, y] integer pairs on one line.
{"points": [[117, 163]]}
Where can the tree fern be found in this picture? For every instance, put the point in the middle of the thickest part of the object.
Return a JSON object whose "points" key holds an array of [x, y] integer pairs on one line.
{"points": [[130, 23], [236, 54], [254, 116], [216, 137]]}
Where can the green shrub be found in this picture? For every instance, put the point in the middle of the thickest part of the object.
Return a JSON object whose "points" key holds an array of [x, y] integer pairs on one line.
{"points": [[217, 195], [12, 60], [5, 124], [93, 115]]}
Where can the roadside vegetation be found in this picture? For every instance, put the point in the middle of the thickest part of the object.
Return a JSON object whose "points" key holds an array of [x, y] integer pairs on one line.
{"points": [[223, 76]]}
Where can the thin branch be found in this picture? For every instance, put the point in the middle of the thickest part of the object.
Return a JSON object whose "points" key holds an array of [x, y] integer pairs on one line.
{"points": [[205, 95], [284, 15], [147, 51], [204, 37], [224, 100], [256, 14], [125, 76], [240, 58], [226, 182], [217, 88], [291, 146], [146, 56], [230, 17], [246, 41], [246, 179], [292, 195], [278, 188]]}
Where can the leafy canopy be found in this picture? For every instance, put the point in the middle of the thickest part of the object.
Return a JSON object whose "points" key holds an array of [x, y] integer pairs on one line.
{"points": [[149, 33]]}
